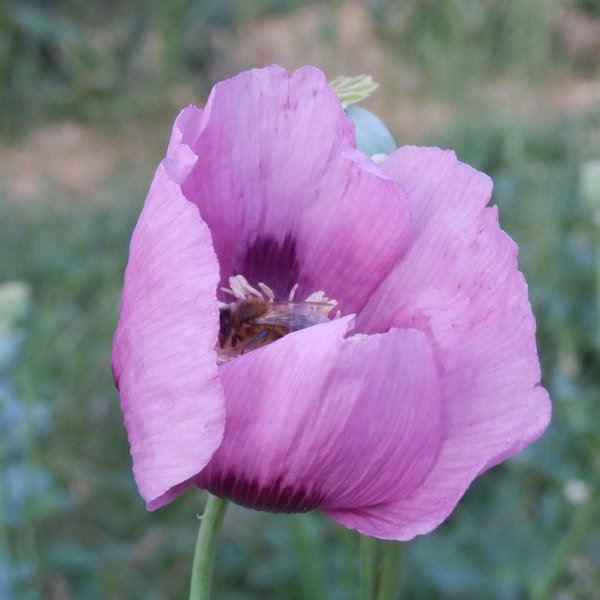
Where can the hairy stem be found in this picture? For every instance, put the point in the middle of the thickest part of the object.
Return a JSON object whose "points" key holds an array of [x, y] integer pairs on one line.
{"points": [[206, 543]]}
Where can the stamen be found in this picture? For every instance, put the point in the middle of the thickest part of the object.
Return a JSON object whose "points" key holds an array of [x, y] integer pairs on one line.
{"points": [[267, 291], [321, 298], [293, 292], [316, 297], [228, 291], [241, 288]]}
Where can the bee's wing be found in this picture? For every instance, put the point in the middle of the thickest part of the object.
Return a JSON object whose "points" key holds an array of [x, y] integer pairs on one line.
{"points": [[255, 341], [295, 315]]}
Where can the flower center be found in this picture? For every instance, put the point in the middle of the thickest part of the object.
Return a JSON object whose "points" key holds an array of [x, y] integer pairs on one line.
{"points": [[257, 318]]}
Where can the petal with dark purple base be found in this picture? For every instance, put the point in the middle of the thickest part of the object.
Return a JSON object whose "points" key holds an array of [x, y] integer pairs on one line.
{"points": [[317, 420], [163, 351], [287, 197]]}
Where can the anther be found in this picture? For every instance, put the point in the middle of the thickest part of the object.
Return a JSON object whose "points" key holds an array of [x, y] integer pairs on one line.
{"points": [[267, 291], [241, 288], [293, 292]]}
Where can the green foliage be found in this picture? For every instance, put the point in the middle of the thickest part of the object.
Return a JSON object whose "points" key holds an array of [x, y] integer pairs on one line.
{"points": [[455, 43], [53, 63], [88, 60]]}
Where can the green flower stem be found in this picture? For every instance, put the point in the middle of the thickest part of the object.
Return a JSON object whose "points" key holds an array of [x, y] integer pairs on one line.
{"points": [[368, 567], [598, 272], [204, 554], [347, 541], [310, 555], [379, 568], [390, 572]]}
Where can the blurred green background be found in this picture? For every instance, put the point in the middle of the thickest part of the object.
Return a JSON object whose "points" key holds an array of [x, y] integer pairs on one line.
{"points": [[88, 92]]}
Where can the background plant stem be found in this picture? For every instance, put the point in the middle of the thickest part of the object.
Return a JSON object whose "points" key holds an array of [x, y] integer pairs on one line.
{"points": [[567, 549], [368, 567], [310, 556], [390, 569]]}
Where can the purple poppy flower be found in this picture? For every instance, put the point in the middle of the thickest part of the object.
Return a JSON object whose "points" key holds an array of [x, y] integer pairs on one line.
{"points": [[381, 417]]}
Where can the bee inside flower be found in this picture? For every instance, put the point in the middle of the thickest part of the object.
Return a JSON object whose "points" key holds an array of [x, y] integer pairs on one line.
{"points": [[257, 318]]}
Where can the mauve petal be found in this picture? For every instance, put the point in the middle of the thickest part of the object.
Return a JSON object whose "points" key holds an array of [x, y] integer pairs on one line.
{"points": [[286, 195], [459, 282], [315, 420], [163, 352], [180, 158]]}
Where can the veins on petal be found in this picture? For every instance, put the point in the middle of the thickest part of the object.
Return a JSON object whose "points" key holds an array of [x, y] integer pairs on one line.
{"points": [[274, 496]]}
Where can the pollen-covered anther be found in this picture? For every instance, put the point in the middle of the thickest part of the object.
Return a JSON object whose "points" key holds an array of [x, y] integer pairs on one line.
{"points": [[292, 293], [240, 288], [322, 303], [267, 291]]}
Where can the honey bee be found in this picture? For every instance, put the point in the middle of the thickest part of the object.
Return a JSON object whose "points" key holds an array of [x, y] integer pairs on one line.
{"points": [[251, 323]]}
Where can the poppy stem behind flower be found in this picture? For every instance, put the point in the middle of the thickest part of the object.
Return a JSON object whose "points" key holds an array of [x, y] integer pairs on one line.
{"points": [[368, 567], [379, 568], [308, 548], [567, 549], [206, 543], [390, 570], [347, 540]]}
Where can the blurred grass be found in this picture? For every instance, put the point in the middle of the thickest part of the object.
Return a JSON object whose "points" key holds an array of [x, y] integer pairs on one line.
{"points": [[71, 520], [89, 61]]}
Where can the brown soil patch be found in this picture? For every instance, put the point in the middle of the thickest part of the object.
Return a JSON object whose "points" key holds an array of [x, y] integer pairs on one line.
{"points": [[67, 154], [342, 40], [76, 160]]}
